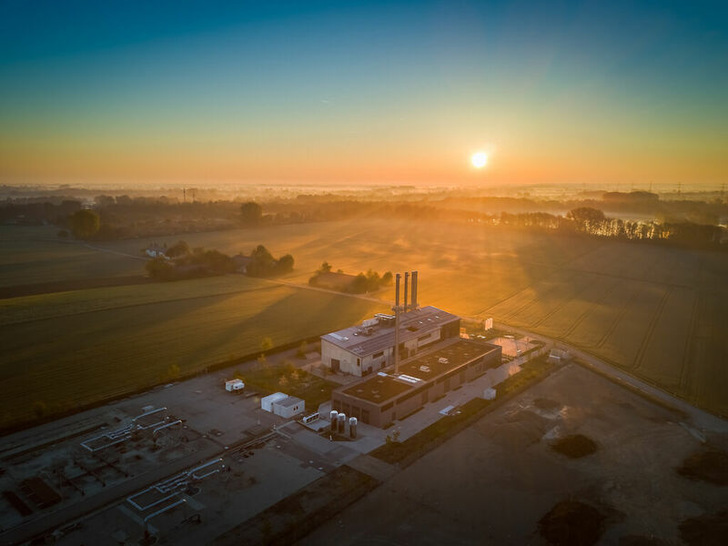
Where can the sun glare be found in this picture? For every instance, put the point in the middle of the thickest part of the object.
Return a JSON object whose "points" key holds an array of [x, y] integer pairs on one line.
{"points": [[479, 159]]}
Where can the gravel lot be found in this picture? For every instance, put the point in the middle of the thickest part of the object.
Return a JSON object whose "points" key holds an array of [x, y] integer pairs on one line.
{"points": [[494, 482]]}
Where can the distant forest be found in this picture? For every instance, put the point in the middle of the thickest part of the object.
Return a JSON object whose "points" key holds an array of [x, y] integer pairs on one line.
{"points": [[633, 216]]}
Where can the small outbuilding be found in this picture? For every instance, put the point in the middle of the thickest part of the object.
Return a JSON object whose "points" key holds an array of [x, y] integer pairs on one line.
{"points": [[289, 407], [234, 385], [267, 402]]}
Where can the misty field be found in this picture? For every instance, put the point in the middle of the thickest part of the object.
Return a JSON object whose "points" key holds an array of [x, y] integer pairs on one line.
{"points": [[32, 255], [657, 312], [62, 362]]}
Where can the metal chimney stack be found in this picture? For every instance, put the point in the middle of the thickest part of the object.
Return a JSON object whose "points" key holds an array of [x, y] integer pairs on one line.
{"points": [[406, 289], [414, 290], [396, 324]]}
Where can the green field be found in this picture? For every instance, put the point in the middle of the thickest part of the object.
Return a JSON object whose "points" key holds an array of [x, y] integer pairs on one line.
{"points": [[33, 255], [657, 312]]}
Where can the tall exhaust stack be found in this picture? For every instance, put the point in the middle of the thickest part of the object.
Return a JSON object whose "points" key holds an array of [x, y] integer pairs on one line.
{"points": [[414, 290], [396, 324], [406, 290]]}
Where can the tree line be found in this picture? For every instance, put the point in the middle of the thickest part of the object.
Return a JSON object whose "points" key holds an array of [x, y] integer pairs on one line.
{"points": [[180, 262], [362, 283]]}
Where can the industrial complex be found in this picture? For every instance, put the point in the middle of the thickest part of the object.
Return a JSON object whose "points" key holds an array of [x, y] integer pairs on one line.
{"points": [[159, 468], [423, 347], [369, 347]]}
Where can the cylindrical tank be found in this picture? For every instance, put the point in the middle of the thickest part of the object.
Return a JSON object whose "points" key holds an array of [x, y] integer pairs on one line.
{"points": [[334, 420], [352, 427], [342, 423]]}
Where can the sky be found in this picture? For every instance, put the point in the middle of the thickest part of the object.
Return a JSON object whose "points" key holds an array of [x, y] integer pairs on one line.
{"points": [[366, 92]]}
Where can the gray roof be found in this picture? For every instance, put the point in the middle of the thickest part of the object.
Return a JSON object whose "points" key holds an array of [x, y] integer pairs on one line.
{"points": [[411, 325], [454, 353], [287, 402]]}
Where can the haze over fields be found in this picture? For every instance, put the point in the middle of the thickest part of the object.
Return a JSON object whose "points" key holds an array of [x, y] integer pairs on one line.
{"points": [[654, 311]]}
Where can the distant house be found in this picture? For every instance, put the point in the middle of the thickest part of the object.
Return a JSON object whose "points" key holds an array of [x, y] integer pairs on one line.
{"points": [[333, 281], [155, 251], [241, 263]]}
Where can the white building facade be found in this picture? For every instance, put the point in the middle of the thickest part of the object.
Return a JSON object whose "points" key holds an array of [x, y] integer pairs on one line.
{"points": [[369, 347]]}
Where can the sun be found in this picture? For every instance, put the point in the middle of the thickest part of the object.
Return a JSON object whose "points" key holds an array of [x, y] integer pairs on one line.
{"points": [[479, 159]]}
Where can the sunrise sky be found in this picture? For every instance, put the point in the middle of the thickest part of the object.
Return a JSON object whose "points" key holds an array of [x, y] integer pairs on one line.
{"points": [[365, 92]]}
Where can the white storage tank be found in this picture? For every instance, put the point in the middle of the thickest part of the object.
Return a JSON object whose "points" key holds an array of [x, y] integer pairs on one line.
{"points": [[342, 423]]}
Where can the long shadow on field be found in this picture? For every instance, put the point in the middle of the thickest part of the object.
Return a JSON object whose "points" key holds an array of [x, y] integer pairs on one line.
{"points": [[296, 316]]}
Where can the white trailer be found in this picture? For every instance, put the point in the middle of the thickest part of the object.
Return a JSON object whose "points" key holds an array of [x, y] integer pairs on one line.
{"points": [[234, 385]]}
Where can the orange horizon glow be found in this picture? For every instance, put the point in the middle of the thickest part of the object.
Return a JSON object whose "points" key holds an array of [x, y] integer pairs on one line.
{"points": [[275, 96]]}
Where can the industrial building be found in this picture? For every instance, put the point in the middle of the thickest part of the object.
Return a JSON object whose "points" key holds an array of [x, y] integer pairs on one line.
{"points": [[421, 348], [283, 405], [386, 397], [369, 347]]}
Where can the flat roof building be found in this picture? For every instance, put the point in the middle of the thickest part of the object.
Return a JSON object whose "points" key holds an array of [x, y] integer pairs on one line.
{"points": [[288, 407], [384, 397], [369, 347]]}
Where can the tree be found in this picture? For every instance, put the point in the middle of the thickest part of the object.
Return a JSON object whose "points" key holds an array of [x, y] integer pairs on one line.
{"points": [[85, 224], [285, 264], [586, 216], [266, 344], [373, 281], [251, 213], [160, 269], [262, 262], [325, 267], [180, 248], [217, 262], [359, 284]]}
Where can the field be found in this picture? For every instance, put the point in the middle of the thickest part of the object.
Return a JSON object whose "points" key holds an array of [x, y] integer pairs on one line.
{"points": [[32, 255], [656, 312]]}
